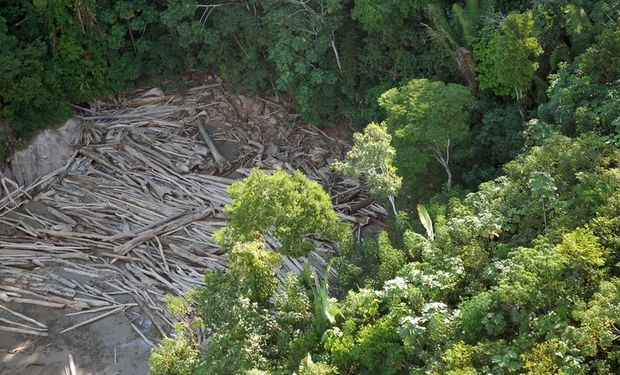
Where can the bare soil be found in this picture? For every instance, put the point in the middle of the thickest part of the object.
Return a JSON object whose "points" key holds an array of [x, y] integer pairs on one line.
{"points": [[107, 346]]}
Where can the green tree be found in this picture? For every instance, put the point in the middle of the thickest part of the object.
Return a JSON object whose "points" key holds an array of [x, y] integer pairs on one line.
{"points": [[252, 264], [426, 119], [175, 356], [584, 255], [602, 60], [372, 157], [305, 54], [289, 207], [581, 94], [540, 360], [249, 322], [600, 319], [507, 55]]}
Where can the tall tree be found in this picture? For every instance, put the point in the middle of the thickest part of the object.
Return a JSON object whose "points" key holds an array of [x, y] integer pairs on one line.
{"points": [[507, 56], [426, 118]]}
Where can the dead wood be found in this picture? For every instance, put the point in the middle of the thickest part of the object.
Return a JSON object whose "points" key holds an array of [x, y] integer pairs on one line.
{"points": [[164, 228], [91, 320], [143, 182], [220, 160], [23, 331]]}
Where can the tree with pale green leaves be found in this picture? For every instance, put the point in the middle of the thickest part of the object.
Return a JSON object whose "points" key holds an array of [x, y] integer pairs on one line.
{"points": [[289, 207], [426, 120], [372, 157]]}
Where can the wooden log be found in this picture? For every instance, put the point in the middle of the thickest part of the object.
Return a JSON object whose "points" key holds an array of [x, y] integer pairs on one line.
{"points": [[148, 312], [220, 160], [23, 331], [16, 324], [121, 236], [39, 302], [168, 227], [24, 317], [91, 320], [149, 342], [101, 309]]}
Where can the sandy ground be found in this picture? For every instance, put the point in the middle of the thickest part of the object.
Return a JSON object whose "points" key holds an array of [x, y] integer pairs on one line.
{"points": [[108, 346]]}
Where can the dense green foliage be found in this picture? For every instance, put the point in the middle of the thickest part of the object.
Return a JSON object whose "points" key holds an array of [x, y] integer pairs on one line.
{"points": [[427, 118], [325, 57], [518, 274], [57, 52], [501, 119], [507, 57], [287, 207]]}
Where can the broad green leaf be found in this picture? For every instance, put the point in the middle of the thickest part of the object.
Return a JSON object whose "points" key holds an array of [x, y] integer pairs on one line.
{"points": [[425, 218]]}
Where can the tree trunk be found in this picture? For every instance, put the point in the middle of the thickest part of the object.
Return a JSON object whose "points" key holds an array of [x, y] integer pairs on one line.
{"points": [[449, 173], [443, 160]]}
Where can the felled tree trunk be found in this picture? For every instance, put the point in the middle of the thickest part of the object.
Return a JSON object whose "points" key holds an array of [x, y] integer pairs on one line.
{"points": [[220, 160]]}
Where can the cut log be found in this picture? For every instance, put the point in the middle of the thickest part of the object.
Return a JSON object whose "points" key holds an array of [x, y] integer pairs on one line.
{"points": [[23, 331], [171, 226], [220, 160]]}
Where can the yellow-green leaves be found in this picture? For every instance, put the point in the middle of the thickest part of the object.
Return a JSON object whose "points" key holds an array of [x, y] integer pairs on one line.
{"points": [[371, 157], [287, 207], [252, 265], [507, 57], [581, 247]]}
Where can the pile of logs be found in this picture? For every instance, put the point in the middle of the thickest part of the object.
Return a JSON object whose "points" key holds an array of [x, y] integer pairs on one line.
{"points": [[130, 216]]}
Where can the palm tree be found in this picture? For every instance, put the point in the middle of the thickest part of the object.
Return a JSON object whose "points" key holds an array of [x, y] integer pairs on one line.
{"points": [[456, 34]]}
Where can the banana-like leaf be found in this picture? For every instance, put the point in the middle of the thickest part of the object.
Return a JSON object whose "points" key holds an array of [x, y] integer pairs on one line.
{"points": [[325, 308], [425, 218]]}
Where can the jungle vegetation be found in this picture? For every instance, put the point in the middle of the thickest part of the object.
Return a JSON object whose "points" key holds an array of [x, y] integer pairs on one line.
{"points": [[489, 128]]}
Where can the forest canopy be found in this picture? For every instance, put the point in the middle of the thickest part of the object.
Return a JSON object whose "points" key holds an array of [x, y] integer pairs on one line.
{"points": [[489, 128]]}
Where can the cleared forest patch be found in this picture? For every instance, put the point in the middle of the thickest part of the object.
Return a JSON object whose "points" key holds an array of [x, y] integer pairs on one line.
{"points": [[88, 252]]}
